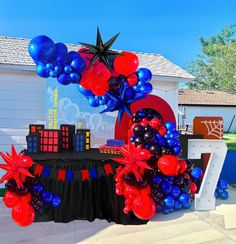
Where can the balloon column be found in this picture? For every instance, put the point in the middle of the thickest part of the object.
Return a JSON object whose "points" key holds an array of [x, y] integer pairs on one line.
{"points": [[221, 189], [103, 76], [152, 176], [23, 194]]}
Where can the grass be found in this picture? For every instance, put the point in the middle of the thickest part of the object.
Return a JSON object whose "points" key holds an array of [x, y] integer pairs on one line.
{"points": [[2, 192], [230, 139]]}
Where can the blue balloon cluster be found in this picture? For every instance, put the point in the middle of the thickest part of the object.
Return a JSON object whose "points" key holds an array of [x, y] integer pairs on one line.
{"points": [[196, 173], [54, 60], [221, 189], [168, 195]]}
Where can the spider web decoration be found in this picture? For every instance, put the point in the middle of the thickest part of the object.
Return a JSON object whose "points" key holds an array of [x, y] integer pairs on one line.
{"points": [[214, 128]]}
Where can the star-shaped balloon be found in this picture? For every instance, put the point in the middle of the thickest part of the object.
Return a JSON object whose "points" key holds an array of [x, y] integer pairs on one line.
{"points": [[134, 161], [101, 50], [118, 102], [17, 166]]}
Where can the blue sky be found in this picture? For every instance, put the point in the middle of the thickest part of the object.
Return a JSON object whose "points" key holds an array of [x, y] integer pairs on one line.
{"points": [[169, 27]]}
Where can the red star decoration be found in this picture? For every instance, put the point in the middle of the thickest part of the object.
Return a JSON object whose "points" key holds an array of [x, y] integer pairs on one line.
{"points": [[134, 161], [17, 166]]}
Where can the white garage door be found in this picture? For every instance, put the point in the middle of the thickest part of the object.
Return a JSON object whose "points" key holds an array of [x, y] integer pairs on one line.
{"points": [[22, 102]]}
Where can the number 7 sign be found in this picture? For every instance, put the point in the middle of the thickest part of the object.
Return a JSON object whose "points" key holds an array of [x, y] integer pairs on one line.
{"points": [[205, 199]]}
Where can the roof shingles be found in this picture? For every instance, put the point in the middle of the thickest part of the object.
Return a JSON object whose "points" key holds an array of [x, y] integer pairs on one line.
{"points": [[14, 51]]}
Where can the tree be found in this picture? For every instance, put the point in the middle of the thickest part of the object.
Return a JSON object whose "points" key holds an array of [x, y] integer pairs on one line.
{"points": [[215, 68]]}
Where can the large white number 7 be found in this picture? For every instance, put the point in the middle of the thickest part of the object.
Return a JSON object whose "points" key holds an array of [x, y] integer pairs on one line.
{"points": [[205, 199]]}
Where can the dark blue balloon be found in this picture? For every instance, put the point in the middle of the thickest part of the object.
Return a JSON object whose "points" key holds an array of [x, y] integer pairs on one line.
{"points": [[60, 60], [93, 102], [170, 126], [196, 172], [166, 211], [71, 56], [38, 187], [42, 71], [148, 87], [177, 205], [157, 179], [75, 77], [47, 196], [187, 205], [53, 74], [220, 190], [63, 79], [61, 49], [183, 198], [129, 93], [42, 49], [223, 184], [175, 191], [161, 142], [67, 69], [50, 66], [144, 74], [78, 64], [166, 187], [170, 142], [174, 134], [56, 201], [224, 195], [216, 194], [102, 100], [177, 150], [58, 69], [86, 93], [169, 201]]}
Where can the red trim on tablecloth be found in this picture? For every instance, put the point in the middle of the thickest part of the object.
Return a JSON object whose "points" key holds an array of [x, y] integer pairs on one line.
{"points": [[61, 175], [85, 174], [38, 169], [108, 169]]}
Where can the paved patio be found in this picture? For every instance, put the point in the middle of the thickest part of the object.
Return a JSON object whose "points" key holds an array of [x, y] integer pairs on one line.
{"points": [[188, 226]]}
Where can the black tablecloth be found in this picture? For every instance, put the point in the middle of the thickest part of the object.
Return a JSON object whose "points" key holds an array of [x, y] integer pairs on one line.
{"points": [[89, 199]]}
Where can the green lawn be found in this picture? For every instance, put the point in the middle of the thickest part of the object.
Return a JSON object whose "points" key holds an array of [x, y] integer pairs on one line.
{"points": [[230, 139]]}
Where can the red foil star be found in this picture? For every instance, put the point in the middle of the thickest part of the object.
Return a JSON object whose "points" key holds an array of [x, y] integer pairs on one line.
{"points": [[134, 161], [17, 166]]}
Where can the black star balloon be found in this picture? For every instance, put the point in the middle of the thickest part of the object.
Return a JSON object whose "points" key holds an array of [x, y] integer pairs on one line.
{"points": [[101, 50]]}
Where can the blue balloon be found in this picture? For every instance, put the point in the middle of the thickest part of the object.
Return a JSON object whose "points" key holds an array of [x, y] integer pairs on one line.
{"points": [[216, 194], [53, 74], [223, 184], [56, 201], [75, 77], [129, 93], [42, 49], [166, 187], [61, 60], [93, 102], [196, 172], [144, 74], [177, 205], [157, 179], [85, 92], [161, 142], [58, 69], [78, 64], [224, 195], [183, 198], [50, 66], [169, 201], [148, 87], [71, 56], [175, 191], [102, 100], [63, 79], [170, 142], [187, 205], [220, 190], [61, 49], [170, 126], [177, 150], [38, 187], [166, 211], [67, 69], [174, 134], [42, 71], [47, 196]]}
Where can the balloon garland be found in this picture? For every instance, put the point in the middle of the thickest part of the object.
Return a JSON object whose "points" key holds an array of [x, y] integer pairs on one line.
{"points": [[23, 194], [152, 176], [105, 77]]}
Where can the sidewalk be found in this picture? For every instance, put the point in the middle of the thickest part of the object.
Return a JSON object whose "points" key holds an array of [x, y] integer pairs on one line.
{"points": [[188, 226]]}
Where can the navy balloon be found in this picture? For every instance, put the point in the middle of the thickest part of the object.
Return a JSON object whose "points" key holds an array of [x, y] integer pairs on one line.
{"points": [[187, 205], [129, 93], [177, 205], [56, 201], [166, 187], [47, 196], [175, 191], [169, 201], [61, 49], [170, 126], [38, 187], [86, 93], [71, 56], [224, 195], [223, 184], [157, 179], [75, 77], [42, 49], [78, 64], [67, 69], [144, 74], [196, 172], [63, 79], [42, 71], [93, 102], [148, 87], [183, 198]]}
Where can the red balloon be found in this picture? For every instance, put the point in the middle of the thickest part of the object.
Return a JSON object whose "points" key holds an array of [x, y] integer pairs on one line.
{"points": [[23, 214], [193, 187], [144, 122], [144, 207], [143, 155], [130, 190], [27, 161], [168, 165], [162, 130], [126, 64], [183, 166], [186, 176], [132, 79], [27, 197], [155, 123], [146, 190], [11, 199]]}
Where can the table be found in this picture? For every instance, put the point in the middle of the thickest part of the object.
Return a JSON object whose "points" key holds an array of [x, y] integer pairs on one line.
{"points": [[82, 198]]}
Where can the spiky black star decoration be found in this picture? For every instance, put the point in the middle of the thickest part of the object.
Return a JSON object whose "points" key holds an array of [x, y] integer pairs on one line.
{"points": [[101, 50], [119, 102]]}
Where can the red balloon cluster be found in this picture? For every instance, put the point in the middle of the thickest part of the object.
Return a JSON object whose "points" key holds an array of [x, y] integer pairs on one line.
{"points": [[137, 200], [23, 213]]}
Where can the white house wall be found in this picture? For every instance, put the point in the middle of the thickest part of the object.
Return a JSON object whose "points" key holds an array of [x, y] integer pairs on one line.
{"points": [[226, 112]]}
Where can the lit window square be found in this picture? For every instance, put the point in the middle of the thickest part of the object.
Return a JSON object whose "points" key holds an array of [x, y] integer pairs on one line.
{"points": [[87, 147], [41, 140], [55, 133], [55, 141], [67, 128], [67, 139], [50, 148], [54, 149], [50, 141], [45, 140], [87, 134], [46, 133], [50, 134], [87, 140]]}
